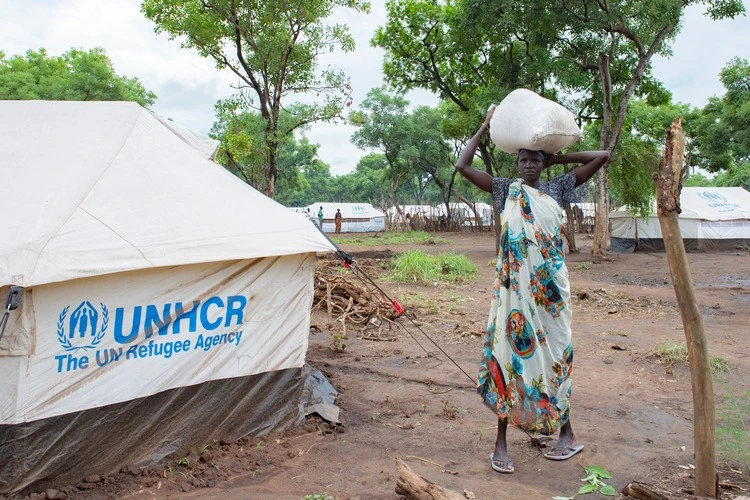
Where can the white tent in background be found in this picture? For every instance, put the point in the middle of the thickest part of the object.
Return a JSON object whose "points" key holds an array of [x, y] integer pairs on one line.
{"points": [[424, 211], [464, 214], [355, 217], [164, 301], [711, 218]]}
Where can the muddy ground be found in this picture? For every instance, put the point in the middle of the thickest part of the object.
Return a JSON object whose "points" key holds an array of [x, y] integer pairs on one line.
{"points": [[633, 415]]}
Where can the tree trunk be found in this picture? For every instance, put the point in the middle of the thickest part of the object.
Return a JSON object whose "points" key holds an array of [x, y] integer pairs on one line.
{"points": [[669, 185], [601, 221], [472, 206], [394, 187], [569, 230]]}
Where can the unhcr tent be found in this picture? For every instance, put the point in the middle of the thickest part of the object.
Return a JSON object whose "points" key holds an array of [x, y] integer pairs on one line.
{"points": [[163, 301], [711, 219], [355, 217]]}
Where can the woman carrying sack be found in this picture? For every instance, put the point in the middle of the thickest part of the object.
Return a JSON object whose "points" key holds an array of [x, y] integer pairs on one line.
{"points": [[527, 360]]}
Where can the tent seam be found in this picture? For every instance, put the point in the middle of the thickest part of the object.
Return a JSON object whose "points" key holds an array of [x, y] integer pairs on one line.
{"points": [[118, 235], [93, 185]]}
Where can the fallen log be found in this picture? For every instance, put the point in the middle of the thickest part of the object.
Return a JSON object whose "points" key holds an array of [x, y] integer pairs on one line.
{"points": [[643, 491], [414, 487]]}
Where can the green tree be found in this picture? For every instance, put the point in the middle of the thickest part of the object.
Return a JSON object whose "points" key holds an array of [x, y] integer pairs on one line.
{"points": [[736, 176], [600, 49], [697, 180], [76, 75], [427, 47], [303, 177], [639, 150], [368, 182], [273, 48], [723, 132], [383, 122]]}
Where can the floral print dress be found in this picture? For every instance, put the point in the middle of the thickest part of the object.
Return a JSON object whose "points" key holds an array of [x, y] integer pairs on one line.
{"points": [[527, 360]]}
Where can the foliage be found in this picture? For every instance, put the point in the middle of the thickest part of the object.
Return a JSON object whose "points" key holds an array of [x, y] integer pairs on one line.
{"points": [[427, 47], [420, 267], [738, 175], [76, 75], [697, 180], [594, 477], [303, 178], [639, 151], [599, 52], [366, 184], [318, 496], [413, 237], [723, 132], [273, 48], [732, 433], [381, 124]]}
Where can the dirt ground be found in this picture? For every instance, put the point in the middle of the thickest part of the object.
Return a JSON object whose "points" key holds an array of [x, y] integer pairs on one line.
{"points": [[400, 400]]}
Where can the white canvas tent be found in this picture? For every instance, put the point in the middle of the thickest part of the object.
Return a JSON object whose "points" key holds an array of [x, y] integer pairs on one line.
{"points": [[711, 219], [355, 217], [164, 301]]}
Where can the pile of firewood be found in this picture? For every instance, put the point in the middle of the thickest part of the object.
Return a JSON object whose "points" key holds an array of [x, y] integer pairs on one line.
{"points": [[349, 301]]}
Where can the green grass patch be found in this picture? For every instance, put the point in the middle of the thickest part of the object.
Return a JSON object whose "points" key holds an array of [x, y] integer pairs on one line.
{"points": [[584, 266], [412, 237], [672, 354], [417, 266], [732, 434]]}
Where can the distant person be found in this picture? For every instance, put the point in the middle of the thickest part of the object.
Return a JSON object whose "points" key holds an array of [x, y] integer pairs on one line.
{"points": [[527, 360], [337, 220], [320, 218]]}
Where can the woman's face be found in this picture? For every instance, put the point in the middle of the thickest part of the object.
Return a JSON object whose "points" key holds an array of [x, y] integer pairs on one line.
{"points": [[530, 164]]}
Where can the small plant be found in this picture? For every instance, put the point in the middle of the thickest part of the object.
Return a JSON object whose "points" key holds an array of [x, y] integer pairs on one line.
{"points": [[672, 353], [261, 444], [584, 266], [432, 307], [208, 446], [594, 481], [338, 340], [184, 461], [732, 433], [450, 410], [319, 496], [420, 267]]}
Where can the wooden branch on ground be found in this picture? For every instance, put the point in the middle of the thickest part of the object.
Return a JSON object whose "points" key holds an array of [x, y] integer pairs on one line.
{"points": [[669, 184], [415, 487], [643, 491]]}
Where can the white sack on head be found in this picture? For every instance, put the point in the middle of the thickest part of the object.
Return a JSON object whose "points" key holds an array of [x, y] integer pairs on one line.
{"points": [[525, 120]]}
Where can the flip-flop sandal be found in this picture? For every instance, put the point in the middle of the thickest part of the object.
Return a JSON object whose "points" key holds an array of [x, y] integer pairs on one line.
{"points": [[508, 469], [569, 452]]}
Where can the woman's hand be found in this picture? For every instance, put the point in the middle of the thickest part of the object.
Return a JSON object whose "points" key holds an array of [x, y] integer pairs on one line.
{"points": [[488, 118], [552, 159]]}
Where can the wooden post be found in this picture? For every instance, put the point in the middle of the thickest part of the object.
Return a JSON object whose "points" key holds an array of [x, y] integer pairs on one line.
{"points": [[669, 185]]}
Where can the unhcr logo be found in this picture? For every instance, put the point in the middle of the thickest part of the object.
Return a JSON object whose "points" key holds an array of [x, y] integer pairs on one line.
{"points": [[712, 197], [84, 329]]}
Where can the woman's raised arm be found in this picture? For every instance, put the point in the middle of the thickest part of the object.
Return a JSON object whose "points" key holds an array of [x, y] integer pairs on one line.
{"points": [[480, 179], [592, 162]]}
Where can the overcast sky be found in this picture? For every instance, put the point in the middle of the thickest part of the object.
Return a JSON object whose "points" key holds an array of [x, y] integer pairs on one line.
{"points": [[187, 86]]}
